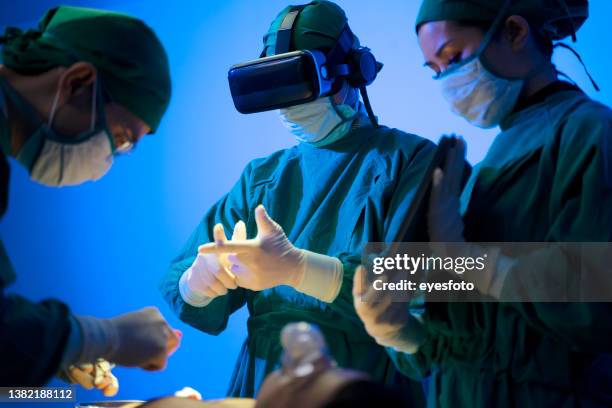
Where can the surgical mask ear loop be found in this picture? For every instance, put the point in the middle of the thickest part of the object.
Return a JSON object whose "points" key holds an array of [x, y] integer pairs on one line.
{"points": [[94, 102], [483, 44], [53, 107]]}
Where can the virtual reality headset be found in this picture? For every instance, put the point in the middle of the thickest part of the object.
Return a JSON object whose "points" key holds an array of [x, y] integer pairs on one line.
{"points": [[294, 78]]}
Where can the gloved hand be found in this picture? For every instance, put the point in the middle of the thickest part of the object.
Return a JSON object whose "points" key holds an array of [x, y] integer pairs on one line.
{"points": [[446, 225], [270, 260], [136, 339], [389, 323], [98, 375], [444, 218], [209, 275]]}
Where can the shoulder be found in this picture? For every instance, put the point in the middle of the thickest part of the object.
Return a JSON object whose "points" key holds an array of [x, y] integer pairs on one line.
{"points": [[391, 141], [588, 122]]}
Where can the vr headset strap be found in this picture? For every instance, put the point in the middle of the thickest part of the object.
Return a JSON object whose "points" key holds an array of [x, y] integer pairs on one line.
{"points": [[283, 35]]}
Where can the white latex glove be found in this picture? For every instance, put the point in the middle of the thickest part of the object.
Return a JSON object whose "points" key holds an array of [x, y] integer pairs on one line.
{"points": [[209, 275], [189, 393], [98, 375], [389, 323], [444, 217], [270, 260]]}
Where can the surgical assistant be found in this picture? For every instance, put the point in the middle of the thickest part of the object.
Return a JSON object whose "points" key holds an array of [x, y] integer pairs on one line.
{"points": [[345, 183], [546, 178]]}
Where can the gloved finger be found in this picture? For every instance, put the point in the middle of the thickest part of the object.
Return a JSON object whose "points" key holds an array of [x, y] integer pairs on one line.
{"points": [[112, 388], [240, 232], [435, 196], [240, 271], [159, 362], [371, 295], [239, 266], [203, 282], [219, 234], [242, 259], [218, 287], [359, 284], [209, 292], [78, 376], [174, 341], [226, 277], [100, 373], [241, 246], [104, 381], [87, 368], [453, 170], [377, 302], [156, 364], [265, 224]]}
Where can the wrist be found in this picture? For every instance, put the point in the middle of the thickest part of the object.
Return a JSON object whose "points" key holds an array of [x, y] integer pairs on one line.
{"points": [[100, 339], [189, 293], [409, 338], [320, 276]]}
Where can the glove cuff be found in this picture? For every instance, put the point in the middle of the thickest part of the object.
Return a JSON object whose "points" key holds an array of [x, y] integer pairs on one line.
{"points": [[189, 295], [99, 339], [322, 277]]}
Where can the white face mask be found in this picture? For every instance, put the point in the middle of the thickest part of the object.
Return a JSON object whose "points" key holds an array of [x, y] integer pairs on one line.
{"points": [[62, 163], [478, 95], [320, 119]]}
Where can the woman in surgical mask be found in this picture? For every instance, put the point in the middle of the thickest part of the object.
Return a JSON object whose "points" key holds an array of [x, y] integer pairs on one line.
{"points": [[546, 178], [83, 88]]}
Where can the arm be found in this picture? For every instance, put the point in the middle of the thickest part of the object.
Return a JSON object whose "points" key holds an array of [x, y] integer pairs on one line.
{"points": [[32, 340], [581, 208], [209, 317]]}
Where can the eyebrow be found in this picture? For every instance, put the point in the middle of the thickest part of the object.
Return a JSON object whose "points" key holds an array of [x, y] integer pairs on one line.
{"points": [[438, 52]]}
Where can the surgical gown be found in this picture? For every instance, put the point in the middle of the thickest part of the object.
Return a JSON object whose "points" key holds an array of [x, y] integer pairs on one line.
{"points": [[32, 335], [546, 178], [329, 200]]}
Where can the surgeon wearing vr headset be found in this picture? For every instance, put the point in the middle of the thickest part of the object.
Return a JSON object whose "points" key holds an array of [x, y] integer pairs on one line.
{"points": [[301, 216]]}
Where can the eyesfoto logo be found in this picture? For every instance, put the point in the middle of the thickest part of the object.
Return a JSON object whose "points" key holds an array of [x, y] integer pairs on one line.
{"points": [[405, 262]]}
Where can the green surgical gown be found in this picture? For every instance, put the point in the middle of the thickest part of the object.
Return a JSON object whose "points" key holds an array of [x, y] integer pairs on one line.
{"points": [[546, 178], [32, 335], [329, 200]]}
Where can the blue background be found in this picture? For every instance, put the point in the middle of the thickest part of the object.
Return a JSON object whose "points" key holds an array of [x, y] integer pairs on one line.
{"points": [[102, 247]]}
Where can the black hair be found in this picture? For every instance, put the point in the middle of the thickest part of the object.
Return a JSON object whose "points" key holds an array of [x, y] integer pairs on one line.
{"points": [[367, 393], [544, 44]]}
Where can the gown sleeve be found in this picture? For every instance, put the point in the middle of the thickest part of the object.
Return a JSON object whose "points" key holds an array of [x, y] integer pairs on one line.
{"points": [[33, 336], [394, 213], [212, 318], [32, 340], [580, 211]]}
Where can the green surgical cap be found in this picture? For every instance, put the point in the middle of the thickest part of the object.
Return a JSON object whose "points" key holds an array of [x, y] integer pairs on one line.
{"points": [[318, 26], [131, 61], [556, 19]]}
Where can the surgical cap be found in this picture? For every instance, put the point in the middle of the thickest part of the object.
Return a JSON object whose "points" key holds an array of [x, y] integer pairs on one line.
{"points": [[555, 19], [131, 61], [318, 26]]}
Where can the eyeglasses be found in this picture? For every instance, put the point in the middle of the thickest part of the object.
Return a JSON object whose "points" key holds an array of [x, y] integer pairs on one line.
{"points": [[125, 142]]}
